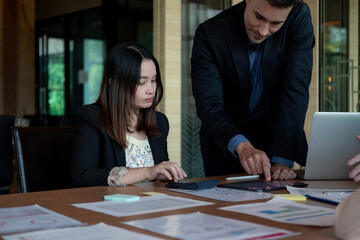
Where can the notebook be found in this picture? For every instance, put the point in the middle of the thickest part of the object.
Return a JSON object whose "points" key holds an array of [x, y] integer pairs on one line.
{"points": [[332, 143]]}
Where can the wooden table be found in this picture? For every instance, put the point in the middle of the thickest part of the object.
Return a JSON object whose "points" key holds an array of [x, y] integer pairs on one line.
{"points": [[60, 200]]}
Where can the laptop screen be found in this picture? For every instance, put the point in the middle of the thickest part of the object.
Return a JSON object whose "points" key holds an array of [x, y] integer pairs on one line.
{"points": [[332, 143]]}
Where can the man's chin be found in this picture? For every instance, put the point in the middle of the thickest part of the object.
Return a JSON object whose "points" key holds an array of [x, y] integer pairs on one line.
{"points": [[257, 40]]}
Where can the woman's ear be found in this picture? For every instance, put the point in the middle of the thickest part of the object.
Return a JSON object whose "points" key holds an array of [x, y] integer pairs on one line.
{"points": [[109, 81]]}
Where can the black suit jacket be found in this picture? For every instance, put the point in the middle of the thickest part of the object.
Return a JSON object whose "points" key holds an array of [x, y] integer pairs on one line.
{"points": [[221, 87], [95, 153]]}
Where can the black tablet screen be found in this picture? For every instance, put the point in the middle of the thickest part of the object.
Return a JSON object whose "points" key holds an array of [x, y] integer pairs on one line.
{"points": [[262, 185]]}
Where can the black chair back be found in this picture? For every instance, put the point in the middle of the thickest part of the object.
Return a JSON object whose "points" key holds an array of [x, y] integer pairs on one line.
{"points": [[6, 150], [43, 155]]}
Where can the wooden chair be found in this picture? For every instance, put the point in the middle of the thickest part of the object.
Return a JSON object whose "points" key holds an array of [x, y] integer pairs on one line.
{"points": [[43, 156], [6, 150]]}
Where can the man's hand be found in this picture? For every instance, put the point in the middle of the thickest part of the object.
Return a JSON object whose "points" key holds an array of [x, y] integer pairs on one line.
{"points": [[282, 172], [254, 161]]}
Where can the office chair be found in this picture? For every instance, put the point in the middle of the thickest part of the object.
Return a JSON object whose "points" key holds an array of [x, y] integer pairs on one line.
{"points": [[45, 120], [6, 149], [43, 156]]}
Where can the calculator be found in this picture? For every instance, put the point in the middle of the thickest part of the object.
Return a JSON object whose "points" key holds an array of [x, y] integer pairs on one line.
{"points": [[194, 185]]}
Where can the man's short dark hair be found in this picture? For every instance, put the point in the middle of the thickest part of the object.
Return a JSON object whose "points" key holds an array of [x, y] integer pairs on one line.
{"points": [[283, 3]]}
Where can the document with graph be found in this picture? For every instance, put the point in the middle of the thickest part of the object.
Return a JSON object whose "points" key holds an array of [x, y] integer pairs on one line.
{"points": [[282, 210], [151, 204], [33, 217], [97, 231], [204, 226]]}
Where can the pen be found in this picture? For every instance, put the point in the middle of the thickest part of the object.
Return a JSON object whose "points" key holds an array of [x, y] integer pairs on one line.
{"points": [[338, 192], [249, 177], [322, 199]]}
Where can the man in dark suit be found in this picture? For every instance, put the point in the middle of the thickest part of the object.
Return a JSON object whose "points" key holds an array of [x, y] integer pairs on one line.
{"points": [[251, 71]]}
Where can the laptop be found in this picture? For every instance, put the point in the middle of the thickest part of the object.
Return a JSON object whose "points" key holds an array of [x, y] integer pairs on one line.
{"points": [[332, 143]]}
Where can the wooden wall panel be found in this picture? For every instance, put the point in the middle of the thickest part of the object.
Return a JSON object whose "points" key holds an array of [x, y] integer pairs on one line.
{"points": [[17, 53], [234, 2], [1, 60], [26, 57], [314, 86], [354, 54], [167, 50], [9, 57]]}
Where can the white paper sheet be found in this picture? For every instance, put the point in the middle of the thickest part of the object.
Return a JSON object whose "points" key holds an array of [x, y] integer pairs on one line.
{"points": [[225, 194], [311, 191], [203, 226], [30, 218], [282, 210], [156, 203], [94, 232], [333, 195]]}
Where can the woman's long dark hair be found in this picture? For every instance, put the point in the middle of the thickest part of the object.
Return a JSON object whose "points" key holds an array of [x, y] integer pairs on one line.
{"points": [[117, 94]]}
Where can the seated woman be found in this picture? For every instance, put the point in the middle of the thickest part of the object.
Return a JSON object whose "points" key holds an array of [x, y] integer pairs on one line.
{"points": [[347, 220], [121, 139]]}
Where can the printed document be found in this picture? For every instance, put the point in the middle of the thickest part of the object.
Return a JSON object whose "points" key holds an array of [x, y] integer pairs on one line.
{"points": [[156, 203], [203, 226], [30, 218], [282, 210], [331, 195], [94, 232], [311, 191], [226, 194]]}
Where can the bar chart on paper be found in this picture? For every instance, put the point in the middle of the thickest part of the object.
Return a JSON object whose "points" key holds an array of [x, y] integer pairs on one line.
{"points": [[204, 226], [282, 210]]}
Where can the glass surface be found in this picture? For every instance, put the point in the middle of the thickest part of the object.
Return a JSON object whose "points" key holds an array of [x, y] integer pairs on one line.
{"points": [[56, 76], [192, 14], [93, 66], [338, 63], [77, 45]]}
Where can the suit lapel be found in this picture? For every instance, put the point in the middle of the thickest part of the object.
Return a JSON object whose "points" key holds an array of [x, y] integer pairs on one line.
{"points": [[270, 56], [237, 43]]}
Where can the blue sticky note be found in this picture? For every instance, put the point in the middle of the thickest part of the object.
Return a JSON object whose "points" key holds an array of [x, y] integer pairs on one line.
{"points": [[122, 197]]}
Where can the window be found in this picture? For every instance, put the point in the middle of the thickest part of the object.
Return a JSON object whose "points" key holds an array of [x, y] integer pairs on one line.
{"points": [[68, 46], [193, 13], [93, 66], [339, 55], [56, 76], [71, 51]]}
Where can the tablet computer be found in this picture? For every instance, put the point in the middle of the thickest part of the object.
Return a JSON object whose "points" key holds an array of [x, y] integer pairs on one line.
{"points": [[262, 185]]}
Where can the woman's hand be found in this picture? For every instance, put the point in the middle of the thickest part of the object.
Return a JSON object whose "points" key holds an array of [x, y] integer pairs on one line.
{"points": [[166, 171]]}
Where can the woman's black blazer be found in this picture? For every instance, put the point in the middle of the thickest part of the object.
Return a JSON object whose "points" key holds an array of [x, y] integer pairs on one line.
{"points": [[94, 153]]}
